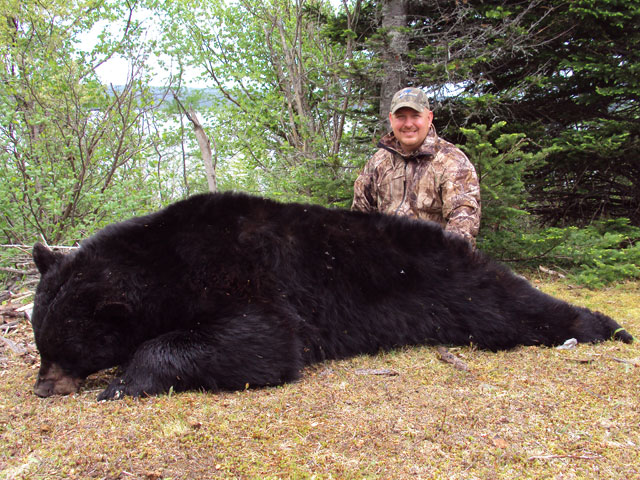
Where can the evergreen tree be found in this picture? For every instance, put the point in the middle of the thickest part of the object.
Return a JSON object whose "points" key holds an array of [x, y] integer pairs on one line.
{"points": [[564, 73]]}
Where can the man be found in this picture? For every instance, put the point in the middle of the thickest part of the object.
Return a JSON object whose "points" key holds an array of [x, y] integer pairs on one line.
{"points": [[418, 174]]}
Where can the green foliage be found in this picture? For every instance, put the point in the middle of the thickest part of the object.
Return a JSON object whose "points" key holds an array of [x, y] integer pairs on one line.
{"points": [[602, 253], [284, 111], [567, 74], [292, 112], [73, 149], [599, 254]]}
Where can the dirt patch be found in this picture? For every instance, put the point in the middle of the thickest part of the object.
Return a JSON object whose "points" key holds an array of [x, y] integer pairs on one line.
{"points": [[526, 413]]}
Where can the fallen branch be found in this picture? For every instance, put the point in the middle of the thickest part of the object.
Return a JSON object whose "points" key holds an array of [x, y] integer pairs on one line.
{"points": [[630, 361], [13, 346], [9, 325], [11, 312], [376, 371], [580, 360], [19, 271], [17, 297], [548, 271], [633, 361], [574, 457], [448, 357], [28, 248]]}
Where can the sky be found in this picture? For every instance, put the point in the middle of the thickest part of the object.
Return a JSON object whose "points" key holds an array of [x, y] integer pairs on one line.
{"points": [[116, 70]]}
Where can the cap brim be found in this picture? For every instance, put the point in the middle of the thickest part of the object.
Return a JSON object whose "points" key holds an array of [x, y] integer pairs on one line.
{"points": [[413, 105]]}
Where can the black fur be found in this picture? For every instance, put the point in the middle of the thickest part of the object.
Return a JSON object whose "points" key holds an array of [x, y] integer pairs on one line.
{"points": [[227, 290]]}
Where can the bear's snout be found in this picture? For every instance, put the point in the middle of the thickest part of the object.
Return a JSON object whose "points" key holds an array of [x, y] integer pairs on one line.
{"points": [[53, 380]]}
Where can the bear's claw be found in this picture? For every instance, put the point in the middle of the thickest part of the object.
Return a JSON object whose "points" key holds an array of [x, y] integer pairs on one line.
{"points": [[115, 391]]}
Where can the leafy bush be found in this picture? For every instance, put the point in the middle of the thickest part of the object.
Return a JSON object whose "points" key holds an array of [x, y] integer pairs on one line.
{"points": [[604, 252]]}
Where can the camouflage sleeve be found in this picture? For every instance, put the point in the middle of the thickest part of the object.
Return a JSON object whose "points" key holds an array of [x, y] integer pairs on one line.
{"points": [[364, 198], [461, 198]]}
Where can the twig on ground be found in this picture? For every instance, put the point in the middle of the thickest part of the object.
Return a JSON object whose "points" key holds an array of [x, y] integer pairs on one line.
{"points": [[376, 371], [574, 457], [14, 347], [448, 357], [632, 361], [548, 271], [627, 361], [11, 312], [19, 271], [9, 325]]}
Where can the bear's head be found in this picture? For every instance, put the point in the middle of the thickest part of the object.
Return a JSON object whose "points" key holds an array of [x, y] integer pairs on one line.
{"points": [[80, 319]]}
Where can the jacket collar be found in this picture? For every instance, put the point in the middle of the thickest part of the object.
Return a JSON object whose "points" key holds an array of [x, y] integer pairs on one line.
{"points": [[426, 150]]}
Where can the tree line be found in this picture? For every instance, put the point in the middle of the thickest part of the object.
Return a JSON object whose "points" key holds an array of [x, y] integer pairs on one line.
{"points": [[541, 94]]}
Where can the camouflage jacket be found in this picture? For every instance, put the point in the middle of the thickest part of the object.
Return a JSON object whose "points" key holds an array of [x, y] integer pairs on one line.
{"points": [[437, 182]]}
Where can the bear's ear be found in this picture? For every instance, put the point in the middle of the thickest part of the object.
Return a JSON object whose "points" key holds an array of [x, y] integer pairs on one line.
{"points": [[44, 258]]}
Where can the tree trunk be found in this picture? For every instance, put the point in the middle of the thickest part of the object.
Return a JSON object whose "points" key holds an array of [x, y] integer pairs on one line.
{"points": [[203, 143], [394, 20], [205, 150]]}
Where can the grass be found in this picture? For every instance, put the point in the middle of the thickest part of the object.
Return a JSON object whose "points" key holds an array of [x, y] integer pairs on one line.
{"points": [[529, 413]]}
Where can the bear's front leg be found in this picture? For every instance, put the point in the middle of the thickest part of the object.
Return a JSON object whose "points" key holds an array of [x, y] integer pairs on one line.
{"points": [[253, 351], [171, 360]]}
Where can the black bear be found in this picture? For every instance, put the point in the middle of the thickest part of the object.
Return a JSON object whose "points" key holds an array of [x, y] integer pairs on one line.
{"points": [[221, 291]]}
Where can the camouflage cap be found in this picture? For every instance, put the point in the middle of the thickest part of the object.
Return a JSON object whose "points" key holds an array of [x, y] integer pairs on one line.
{"points": [[410, 97]]}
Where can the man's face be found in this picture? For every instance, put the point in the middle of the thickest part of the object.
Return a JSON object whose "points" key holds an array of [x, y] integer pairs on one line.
{"points": [[410, 127]]}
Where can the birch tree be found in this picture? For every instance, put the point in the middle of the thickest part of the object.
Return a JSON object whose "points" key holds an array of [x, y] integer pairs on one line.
{"points": [[70, 146], [285, 107]]}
